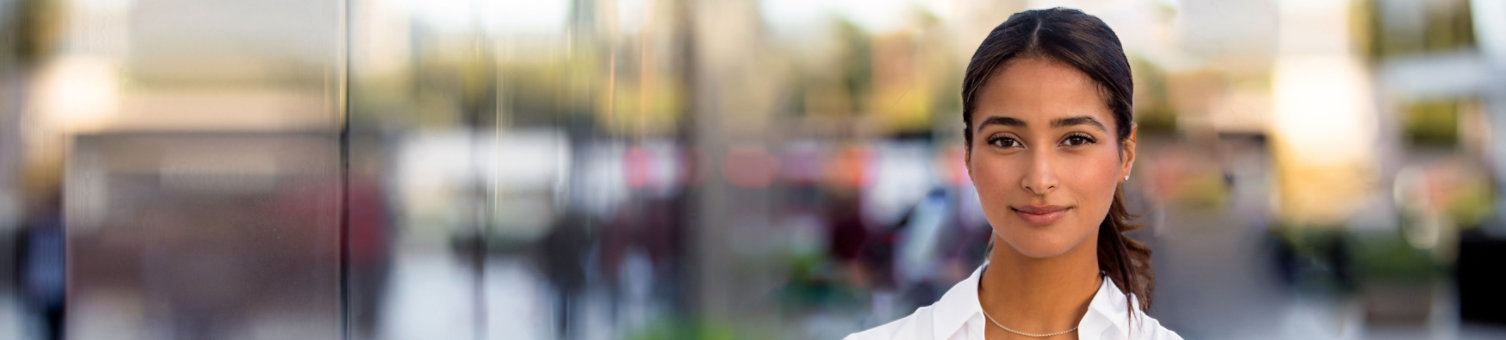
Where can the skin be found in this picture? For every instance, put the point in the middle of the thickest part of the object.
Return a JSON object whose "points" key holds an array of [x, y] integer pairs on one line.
{"points": [[1046, 162]]}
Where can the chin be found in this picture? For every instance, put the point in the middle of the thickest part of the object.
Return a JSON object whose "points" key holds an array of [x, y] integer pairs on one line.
{"points": [[1040, 244]]}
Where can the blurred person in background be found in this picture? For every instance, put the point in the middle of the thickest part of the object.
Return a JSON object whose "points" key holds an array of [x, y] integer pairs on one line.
{"points": [[563, 256], [370, 251], [1051, 91], [42, 269]]}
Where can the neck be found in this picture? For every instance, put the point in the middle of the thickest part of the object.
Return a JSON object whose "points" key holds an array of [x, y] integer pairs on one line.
{"points": [[1039, 295]]}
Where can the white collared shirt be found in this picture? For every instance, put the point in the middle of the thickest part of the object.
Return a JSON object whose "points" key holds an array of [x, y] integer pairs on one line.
{"points": [[958, 316]]}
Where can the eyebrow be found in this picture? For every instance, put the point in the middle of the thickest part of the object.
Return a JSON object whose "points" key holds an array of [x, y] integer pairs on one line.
{"points": [[1059, 122]]}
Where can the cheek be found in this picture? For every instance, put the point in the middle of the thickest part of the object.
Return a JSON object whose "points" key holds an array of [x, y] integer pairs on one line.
{"points": [[992, 176], [1096, 176], [1096, 182]]}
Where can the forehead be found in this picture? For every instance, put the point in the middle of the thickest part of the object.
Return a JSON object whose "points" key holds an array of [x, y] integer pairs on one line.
{"points": [[1038, 89]]}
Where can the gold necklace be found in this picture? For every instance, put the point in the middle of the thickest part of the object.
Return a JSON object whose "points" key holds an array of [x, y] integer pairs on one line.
{"points": [[1033, 335]]}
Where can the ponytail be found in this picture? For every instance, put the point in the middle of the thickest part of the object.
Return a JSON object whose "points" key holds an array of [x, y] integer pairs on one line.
{"points": [[1123, 259]]}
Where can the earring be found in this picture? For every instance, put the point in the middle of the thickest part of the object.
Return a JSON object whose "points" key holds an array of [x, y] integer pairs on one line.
{"points": [[1126, 178]]}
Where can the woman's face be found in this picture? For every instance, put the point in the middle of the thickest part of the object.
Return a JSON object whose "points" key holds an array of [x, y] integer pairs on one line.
{"points": [[1044, 156]]}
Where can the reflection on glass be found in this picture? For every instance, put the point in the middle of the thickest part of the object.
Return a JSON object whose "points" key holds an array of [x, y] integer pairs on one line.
{"points": [[178, 167], [644, 169]]}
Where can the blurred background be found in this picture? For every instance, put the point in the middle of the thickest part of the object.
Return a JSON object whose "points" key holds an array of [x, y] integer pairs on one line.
{"points": [[740, 169]]}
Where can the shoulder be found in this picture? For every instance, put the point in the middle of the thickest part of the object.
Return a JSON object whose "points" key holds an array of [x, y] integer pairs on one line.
{"points": [[1147, 327], [1116, 315], [1139, 327], [917, 325], [947, 318]]}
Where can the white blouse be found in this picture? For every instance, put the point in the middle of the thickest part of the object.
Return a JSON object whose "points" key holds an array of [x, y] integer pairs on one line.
{"points": [[958, 316]]}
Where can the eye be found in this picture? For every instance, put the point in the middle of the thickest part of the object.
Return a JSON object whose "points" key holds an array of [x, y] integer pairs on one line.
{"points": [[1004, 142], [1078, 140]]}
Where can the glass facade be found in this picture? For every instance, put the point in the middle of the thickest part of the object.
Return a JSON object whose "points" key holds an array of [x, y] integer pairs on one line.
{"points": [[647, 169]]}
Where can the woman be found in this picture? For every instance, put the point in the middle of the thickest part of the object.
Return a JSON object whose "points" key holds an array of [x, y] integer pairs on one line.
{"points": [[1050, 138]]}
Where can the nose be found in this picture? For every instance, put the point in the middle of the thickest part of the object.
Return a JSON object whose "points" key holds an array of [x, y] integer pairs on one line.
{"points": [[1040, 177]]}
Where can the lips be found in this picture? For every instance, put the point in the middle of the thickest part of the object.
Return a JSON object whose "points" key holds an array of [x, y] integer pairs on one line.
{"points": [[1040, 215]]}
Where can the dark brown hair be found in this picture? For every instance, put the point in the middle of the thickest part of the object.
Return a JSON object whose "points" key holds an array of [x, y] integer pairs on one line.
{"points": [[1087, 44]]}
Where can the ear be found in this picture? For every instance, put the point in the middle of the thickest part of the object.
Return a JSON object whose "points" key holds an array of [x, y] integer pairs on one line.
{"points": [[1127, 156]]}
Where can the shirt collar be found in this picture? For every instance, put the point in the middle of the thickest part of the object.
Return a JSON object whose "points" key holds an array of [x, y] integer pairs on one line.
{"points": [[1106, 311], [957, 306]]}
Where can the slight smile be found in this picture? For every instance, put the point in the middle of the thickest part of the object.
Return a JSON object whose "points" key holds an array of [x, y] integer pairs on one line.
{"points": [[1040, 215]]}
